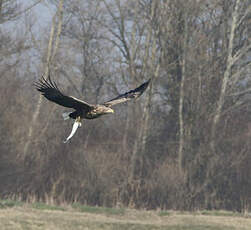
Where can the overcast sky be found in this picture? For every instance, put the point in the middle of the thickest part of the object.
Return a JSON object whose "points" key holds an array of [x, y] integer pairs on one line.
{"points": [[42, 12]]}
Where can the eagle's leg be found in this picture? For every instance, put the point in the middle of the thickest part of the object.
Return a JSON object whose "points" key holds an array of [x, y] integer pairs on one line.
{"points": [[78, 119], [75, 126]]}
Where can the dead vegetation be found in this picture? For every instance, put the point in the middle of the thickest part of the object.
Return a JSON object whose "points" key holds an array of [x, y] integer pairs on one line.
{"points": [[26, 217]]}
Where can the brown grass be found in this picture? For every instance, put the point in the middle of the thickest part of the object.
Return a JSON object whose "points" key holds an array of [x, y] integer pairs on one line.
{"points": [[27, 217]]}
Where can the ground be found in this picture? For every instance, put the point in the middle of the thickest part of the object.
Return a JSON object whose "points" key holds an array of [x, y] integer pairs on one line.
{"points": [[41, 216]]}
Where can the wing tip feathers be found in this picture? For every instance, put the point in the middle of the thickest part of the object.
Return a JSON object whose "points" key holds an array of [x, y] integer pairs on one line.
{"points": [[43, 84]]}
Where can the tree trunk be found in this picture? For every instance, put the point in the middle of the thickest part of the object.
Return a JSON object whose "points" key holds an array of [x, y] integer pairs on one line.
{"points": [[50, 54], [147, 106], [126, 130], [1, 5], [181, 96], [226, 76], [140, 142]]}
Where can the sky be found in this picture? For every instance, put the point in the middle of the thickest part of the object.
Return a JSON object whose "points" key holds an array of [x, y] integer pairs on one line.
{"points": [[39, 17], [42, 12]]}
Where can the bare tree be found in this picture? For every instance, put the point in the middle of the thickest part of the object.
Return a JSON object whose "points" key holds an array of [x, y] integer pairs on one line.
{"points": [[234, 55], [182, 93], [50, 55]]}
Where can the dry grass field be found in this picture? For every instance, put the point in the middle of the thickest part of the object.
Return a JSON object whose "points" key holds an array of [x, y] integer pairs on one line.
{"points": [[41, 216]]}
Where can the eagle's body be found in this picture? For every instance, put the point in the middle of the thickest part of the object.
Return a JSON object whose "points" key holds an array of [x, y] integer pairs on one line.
{"points": [[98, 111], [82, 109], [95, 112]]}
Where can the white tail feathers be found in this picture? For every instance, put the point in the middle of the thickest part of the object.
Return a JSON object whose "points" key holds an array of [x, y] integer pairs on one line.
{"points": [[66, 115]]}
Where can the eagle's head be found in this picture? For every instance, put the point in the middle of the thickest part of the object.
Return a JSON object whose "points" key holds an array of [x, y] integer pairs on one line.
{"points": [[108, 110], [101, 109]]}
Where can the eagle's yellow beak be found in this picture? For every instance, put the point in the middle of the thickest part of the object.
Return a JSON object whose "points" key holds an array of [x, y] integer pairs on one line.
{"points": [[111, 111], [108, 111]]}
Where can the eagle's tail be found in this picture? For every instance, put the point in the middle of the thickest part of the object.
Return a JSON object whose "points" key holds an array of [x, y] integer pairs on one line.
{"points": [[66, 115]]}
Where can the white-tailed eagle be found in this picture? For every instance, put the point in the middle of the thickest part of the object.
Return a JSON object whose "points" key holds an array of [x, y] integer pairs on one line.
{"points": [[82, 109]]}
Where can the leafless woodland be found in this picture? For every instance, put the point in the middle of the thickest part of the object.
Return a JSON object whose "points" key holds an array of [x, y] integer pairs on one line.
{"points": [[185, 144]]}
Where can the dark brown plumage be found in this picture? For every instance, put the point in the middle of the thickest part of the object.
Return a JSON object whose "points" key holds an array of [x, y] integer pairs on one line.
{"points": [[82, 109]]}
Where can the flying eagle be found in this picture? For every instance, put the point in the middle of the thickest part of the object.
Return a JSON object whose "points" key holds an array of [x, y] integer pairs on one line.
{"points": [[82, 109]]}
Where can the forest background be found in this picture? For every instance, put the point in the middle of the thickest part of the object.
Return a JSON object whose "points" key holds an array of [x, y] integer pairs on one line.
{"points": [[184, 145]]}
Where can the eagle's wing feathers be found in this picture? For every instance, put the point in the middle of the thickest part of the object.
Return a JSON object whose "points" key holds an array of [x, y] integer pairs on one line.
{"points": [[50, 90], [133, 94]]}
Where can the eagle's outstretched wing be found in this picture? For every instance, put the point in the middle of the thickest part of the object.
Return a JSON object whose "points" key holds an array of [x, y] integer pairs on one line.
{"points": [[50, 90], [133, 94]]}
